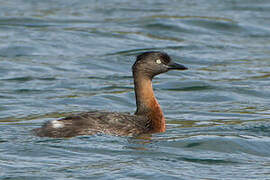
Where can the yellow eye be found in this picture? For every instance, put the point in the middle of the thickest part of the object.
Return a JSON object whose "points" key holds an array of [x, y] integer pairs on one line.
{"points": [[158, 61]]}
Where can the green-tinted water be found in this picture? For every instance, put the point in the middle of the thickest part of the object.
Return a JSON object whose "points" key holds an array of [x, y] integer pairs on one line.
{"points": [[61, 57]]}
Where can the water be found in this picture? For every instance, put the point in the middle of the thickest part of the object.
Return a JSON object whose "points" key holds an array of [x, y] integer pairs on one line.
{"points": [[62, 57]]}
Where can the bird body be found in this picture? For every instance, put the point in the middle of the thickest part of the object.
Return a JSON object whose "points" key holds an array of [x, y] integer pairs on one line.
{"points": [[147, 119]]}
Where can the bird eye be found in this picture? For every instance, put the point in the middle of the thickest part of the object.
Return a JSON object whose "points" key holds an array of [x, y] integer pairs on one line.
{"points": [[158, 61]]}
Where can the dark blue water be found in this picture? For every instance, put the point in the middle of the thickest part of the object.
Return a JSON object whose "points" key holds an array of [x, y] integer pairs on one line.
{"points": [[63, 57]]}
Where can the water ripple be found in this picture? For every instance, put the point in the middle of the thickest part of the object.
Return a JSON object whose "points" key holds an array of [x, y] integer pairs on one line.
{"points": [[69, 57]]}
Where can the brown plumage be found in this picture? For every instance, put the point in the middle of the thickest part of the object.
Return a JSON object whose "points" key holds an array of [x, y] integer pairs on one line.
{"points": [[148, 117]]}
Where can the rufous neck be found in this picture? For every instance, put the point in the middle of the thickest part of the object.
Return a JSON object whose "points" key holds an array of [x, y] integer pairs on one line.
{"points": [[147, 104]]}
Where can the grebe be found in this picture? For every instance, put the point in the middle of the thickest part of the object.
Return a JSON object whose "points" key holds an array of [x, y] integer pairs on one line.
{"points": [[147, 119]]}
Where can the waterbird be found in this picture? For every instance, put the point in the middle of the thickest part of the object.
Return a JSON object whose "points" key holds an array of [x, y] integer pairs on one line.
{"points": [[147, 119]]}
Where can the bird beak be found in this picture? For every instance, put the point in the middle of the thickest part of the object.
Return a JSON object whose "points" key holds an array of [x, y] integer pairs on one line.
{"points": [[175, 66]]}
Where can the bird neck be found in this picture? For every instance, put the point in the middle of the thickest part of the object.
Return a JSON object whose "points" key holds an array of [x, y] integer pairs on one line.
{"points": [[146, 102]]}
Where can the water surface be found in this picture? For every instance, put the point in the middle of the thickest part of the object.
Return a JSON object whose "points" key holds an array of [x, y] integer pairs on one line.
{"points": [[63, 57]]}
